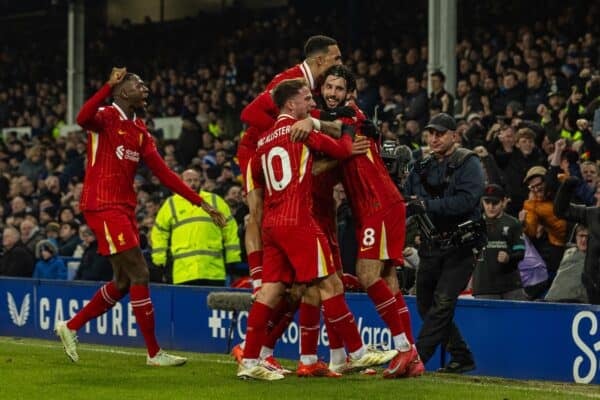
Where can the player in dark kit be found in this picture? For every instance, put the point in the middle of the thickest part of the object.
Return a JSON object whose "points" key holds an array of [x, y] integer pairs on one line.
{"points": [[117, 141]]}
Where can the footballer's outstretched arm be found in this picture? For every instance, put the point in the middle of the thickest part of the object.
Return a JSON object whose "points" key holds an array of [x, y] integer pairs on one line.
{"points": [[339, 149], [261, 112], [88, 117]]}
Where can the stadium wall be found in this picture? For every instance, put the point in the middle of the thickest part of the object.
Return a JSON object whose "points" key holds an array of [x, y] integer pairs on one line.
{"points": [[509, 339]]}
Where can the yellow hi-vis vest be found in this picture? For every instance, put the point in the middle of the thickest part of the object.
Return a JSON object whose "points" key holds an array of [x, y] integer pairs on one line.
{"points": [[199, 248]]}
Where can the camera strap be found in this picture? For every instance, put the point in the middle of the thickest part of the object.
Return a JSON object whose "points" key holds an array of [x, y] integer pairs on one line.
{"points": [[456, 159]]}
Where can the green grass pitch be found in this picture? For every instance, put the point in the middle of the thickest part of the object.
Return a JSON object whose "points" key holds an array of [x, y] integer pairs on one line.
{"points": [[38, 369]]}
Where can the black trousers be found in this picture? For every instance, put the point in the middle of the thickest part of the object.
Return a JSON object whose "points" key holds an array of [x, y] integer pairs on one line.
{"points": [[442, 276]]}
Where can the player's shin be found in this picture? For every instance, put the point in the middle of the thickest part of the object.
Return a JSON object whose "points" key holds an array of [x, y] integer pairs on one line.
{"points": [[102, 301]]}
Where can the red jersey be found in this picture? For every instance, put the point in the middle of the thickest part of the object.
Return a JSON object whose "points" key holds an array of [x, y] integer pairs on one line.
{"points": [[261, 113], [366, 179], [286, 167], [322, 194], [115, 147]]}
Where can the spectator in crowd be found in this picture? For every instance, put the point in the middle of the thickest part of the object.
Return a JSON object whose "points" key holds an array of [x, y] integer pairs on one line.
{"points": [[201, 251], [93, 266], [33, 165], [515, 156], [16, 259], [415, 102], [51, 190], [535, 94], [496, 275], [439, 94], [49, 264], [31, 233], [52, 232], [590, 173], [567, 286], [542, 226], [235, 201], [68, 238]]}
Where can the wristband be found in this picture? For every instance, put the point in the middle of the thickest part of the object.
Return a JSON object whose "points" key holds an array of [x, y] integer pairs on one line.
{"points": [[316, 123]]}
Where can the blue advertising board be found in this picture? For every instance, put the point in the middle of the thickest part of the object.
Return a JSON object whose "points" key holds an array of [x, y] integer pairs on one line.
{"points": [[520, 340]]}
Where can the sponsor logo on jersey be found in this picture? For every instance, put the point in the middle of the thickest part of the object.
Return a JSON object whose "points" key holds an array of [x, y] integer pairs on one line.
{"points": [[126, 154]]}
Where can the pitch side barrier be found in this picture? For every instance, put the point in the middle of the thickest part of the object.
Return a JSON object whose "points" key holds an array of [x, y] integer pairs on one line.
{"points": [[509, 339]]}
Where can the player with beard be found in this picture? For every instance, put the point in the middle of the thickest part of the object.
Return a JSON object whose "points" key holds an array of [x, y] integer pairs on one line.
{"points": [[321, 52], [306, 260], [379, 210], [117, 141]]}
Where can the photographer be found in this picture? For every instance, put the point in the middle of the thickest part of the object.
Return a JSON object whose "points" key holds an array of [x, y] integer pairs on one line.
{"points": [[446, 188]]}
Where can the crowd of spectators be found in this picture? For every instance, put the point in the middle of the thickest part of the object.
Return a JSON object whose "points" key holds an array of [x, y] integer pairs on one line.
{"points": [[526, 102]]}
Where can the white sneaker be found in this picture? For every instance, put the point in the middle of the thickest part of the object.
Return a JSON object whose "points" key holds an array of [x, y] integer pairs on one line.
{"points": [[68, 339], [162, 359], [340, 368], [259, 371], [372, 358]]}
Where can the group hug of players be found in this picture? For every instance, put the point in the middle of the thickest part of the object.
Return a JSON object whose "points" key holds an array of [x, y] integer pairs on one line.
{"points": [[304, 136]]}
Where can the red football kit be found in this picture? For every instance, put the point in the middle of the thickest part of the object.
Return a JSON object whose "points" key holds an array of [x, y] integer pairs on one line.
{"points": [[324, 209], [260, 115], [295, 247], [115, 147], [376, 203]]}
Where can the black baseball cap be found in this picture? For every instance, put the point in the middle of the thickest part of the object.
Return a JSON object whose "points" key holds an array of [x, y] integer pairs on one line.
{"points": [[441, 123], [493, 191]]}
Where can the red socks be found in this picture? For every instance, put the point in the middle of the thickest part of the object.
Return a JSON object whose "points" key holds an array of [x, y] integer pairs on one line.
{"points": [[256, 329], [310, 322], [144, 316], [104, 299], [255, 260], [281, 317], [341, 320], [386, 306], [404, 316]]}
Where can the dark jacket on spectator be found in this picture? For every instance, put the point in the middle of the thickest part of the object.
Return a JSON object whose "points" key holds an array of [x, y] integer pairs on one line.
{"points": [[32, 170], [590, 217], [34, 240], [18, 261], [67, 247], [415, 107], [93, 266], [514, 166]]}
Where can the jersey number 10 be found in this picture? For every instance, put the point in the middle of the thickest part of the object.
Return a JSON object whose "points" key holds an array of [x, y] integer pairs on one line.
{"points": [[272, 182]]}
